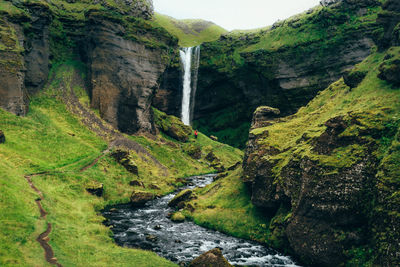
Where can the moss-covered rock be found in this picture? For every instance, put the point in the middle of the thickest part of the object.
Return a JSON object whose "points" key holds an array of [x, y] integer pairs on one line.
{"points": [[389, 70], [178, 217], [213, 257], [183, 196], [353, 78], [172, 126], [125, 159], [139, 198], [95, 188], [193, 150]]}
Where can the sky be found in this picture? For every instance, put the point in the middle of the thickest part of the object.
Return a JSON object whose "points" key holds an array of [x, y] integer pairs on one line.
{"points": [[234, 14]]}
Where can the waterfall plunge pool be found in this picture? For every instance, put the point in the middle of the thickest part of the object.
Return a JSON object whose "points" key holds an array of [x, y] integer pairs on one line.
{"points": [[182, 242]]}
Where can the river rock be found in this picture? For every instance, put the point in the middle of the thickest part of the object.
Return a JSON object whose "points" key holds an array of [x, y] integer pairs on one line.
{"points": [[2, 137], [139, 198], [178, 217], [182, 196], [213, 258], [151, 238]]}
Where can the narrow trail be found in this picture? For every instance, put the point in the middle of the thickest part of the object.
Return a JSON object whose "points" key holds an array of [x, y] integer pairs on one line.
{"points": [[43, 238]]}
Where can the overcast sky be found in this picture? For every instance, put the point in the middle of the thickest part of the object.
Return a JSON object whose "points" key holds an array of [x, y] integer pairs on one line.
{"points": [[234, 14]]}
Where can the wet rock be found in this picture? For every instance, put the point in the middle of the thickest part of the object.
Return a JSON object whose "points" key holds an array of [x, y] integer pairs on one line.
{"points": [[124, 158], [182, 196], [95, 188], [151, 238], [178, 217], [157, 227], [2, 137], [139, 198], [213, 258], [353, 78], [136, 183]]}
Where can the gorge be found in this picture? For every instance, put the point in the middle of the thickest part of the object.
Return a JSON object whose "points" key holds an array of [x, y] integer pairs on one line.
{"points": [[97, 104]]}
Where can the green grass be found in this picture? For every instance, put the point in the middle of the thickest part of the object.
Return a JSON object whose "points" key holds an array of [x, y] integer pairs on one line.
{"points": [[189, 32], [50, 138], [226, 206]]}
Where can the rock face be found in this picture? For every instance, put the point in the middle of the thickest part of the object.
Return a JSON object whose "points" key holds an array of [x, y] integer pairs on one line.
{"points": [[124, 76], [285, 77], [329, 191], [213, 257], [125, 55]]}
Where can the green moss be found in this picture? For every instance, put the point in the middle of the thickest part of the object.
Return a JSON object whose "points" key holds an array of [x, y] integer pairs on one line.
{"points": [[189, 32]]}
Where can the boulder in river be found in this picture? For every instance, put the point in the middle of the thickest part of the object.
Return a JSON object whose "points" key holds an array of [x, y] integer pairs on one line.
{"points": [[2, 137], [139, 198], [182, 196], [178, 217], [213, 258]]}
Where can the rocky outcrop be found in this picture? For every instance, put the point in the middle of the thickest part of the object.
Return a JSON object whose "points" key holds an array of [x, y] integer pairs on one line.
{"points": [[213, 257], [172, 126], [327, 184], [139, 198], [124, 158], [389, 70], [389, 21]]}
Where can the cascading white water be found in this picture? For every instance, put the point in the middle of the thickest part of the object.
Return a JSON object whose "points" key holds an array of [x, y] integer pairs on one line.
{"points": [[189, 83]]}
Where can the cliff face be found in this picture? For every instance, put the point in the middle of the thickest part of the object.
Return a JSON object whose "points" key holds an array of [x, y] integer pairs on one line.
{"points": [[330, 168], [24, 58], [283, 66], [125, 54]]}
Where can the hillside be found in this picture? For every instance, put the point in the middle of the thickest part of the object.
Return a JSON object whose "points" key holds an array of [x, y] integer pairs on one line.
{"points": [[65, 149], [190, 32]]}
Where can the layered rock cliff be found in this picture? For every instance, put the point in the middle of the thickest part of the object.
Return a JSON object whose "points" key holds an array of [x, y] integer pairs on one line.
{"points": [[330, 169], [126, 55], [283, 66]]}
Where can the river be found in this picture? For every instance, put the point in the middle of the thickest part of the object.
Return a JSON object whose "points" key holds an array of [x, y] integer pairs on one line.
{"points": [[149, 228]]}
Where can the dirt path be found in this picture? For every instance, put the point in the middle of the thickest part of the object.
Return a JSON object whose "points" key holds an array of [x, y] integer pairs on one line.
{"points": [[43, 238]]}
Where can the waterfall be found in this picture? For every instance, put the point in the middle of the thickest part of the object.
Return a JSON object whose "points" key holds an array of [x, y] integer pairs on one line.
{"points": [[190, 65]]}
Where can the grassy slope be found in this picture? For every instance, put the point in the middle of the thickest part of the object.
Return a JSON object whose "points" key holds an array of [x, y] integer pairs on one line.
{"points": [[185, 31], [51, 138], [378, 106]]}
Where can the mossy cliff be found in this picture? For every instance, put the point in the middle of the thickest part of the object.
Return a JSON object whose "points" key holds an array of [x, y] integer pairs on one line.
{"points": [[323, 183], [125, 54], [282, 66]]}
